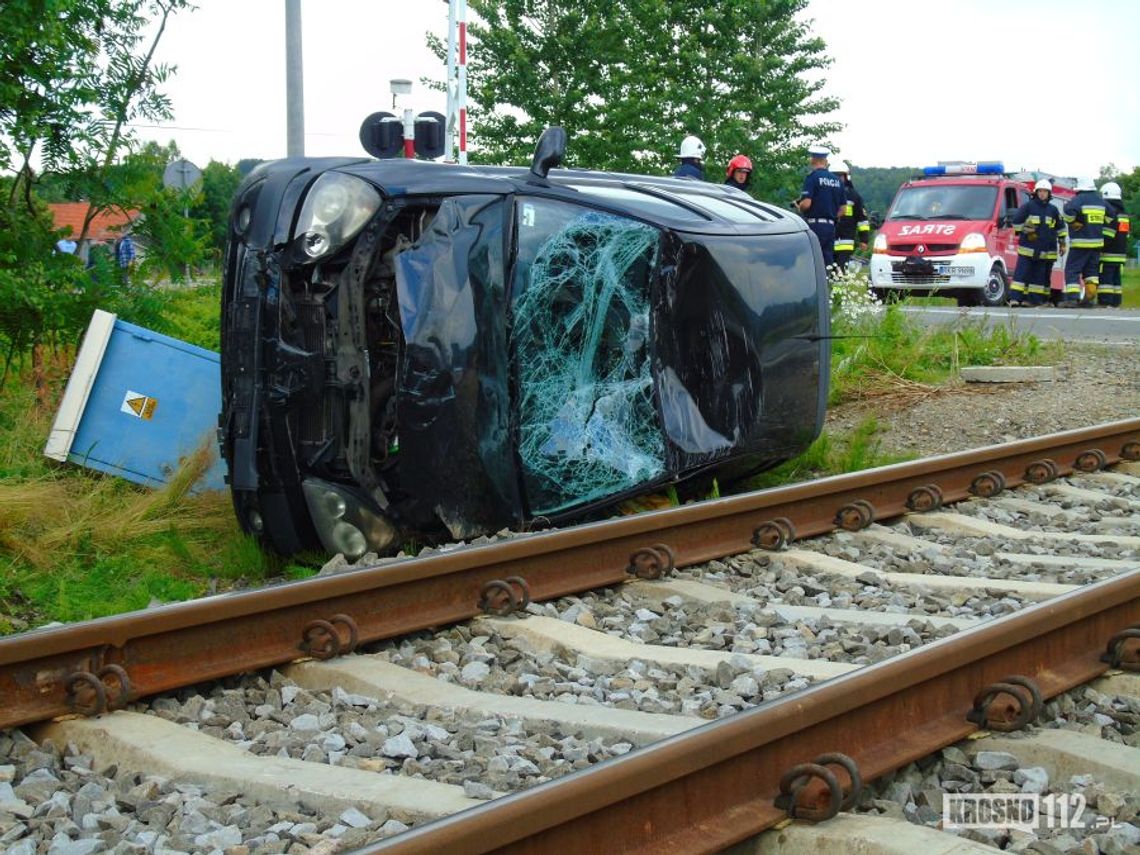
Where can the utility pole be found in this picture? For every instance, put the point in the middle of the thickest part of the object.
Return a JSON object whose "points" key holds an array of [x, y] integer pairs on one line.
{"points": [[294, 82]]}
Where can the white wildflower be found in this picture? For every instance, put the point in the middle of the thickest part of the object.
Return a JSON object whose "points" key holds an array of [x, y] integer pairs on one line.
{"points": [[851, 296]]}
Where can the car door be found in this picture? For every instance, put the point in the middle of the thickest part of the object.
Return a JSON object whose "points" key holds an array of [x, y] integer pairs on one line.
{"points": [[1006, 238], [585, 414]]}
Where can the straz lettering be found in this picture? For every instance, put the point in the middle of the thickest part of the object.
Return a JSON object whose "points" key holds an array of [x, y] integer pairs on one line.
{"points": [[929, 229]]}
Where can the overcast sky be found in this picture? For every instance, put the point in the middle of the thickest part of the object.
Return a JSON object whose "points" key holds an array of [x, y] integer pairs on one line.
{"points": [[1039, 84]]}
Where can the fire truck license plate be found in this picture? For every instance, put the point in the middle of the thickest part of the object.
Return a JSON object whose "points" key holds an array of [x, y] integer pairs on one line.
{"points": [[960, 271]]}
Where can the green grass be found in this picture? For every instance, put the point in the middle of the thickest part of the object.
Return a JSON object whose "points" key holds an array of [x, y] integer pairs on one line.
{"points": [[831, 455], [1130, 279], [890, 354], [194, 315]]}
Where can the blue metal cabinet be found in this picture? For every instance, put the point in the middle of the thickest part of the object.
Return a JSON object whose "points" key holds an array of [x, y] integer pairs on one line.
{"points": [[137, 403]]}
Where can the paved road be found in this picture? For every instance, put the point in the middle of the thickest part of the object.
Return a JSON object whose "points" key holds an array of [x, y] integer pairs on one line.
{"points": [[1116, 325]]}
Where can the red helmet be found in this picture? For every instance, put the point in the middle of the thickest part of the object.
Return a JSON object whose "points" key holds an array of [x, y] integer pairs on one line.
{"points": [[739, 162]]}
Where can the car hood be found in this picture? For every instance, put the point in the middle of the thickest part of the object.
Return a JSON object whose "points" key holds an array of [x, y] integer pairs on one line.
{"points": [[930, 231]]}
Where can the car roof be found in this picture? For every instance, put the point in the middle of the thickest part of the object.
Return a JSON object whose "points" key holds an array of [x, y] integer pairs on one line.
{"points": [[938, 180], [681, 204]]}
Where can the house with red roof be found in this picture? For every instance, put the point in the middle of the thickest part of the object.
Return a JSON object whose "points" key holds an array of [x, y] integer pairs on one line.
{"points": [[106, 227]]}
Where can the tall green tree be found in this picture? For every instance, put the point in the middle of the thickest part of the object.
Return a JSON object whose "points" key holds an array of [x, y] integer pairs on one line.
{"points": [[628, 79], [73, 75], [219, 184]]}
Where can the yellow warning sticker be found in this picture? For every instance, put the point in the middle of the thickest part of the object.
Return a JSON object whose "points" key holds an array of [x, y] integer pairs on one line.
{"points": [[138, 405]]}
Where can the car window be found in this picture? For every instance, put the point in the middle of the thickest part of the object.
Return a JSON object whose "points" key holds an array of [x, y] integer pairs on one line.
{"points": [[640, 203], [736, 212], [1009, 201], [944, 202], [580, 332]]}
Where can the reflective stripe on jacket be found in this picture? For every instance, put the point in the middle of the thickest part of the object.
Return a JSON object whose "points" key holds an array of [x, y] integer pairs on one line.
{"points": [[1086, 213], [1116, 229], [1039, 228], [851, 214]]}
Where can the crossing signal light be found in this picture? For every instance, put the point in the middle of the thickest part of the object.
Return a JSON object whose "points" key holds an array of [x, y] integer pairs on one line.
{"points": [[382, 135], [429, 140]]}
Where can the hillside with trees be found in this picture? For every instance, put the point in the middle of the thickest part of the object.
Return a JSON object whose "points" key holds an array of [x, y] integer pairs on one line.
{"points": [[878, 184]]}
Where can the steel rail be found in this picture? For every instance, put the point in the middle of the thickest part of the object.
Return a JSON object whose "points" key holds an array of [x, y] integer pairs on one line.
{"points": [[709, 788], [103, 663]]}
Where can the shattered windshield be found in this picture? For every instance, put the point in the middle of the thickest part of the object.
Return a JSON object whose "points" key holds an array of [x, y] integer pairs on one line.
{"points": [[945, 202], [581, 326]]}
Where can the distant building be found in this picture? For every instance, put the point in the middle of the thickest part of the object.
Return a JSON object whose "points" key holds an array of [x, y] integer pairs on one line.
{"points": [[107, 226]]}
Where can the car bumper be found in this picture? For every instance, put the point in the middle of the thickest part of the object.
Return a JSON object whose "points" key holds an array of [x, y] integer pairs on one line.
{"points": [[969, 270]]}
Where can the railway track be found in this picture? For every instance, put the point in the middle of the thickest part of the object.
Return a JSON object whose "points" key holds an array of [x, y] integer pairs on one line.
{"points": [[765, 648]]}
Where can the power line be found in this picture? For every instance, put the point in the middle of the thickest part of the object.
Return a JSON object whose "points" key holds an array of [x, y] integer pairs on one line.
{"points": [[226, 130]]}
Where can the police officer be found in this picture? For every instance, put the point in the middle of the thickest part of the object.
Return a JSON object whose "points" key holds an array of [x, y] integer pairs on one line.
{"points": [[851, 226], [691, 154], [1112, 257], [820, 201], [1085, 215], [739, 173], [1041, 234]]}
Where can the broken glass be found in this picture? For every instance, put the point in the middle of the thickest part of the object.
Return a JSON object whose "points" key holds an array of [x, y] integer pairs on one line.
{"points": [[587, 423]]}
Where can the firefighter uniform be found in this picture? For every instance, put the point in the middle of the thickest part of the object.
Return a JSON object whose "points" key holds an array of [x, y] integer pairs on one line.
{"points": [[1116, 228], [1041, 233], [826, 194], [851, 226], [1085, 215]]}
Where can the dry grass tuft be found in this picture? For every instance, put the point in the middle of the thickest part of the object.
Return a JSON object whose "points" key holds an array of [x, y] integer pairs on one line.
{"points": [[42, 518]]}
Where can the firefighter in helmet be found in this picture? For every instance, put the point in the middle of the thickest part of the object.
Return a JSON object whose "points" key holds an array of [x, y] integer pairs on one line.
{"points": [[1085, 215], [739, 173], [692, 155], [851, 226], [1112, 257], [1041, 234], [820, 200]]}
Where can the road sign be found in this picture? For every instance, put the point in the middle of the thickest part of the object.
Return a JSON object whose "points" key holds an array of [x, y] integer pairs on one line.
{"points": [[181, 174]]}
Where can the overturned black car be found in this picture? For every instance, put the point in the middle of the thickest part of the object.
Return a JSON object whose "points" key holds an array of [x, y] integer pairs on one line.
{"points": [[420, 349]]}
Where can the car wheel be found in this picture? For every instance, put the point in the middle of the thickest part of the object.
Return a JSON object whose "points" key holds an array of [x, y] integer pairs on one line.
{"points": [[883, 295], [996, 290]]}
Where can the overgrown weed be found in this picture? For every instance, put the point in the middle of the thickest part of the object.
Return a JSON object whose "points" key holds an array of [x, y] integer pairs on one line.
{"points": [[832, 455], [884, 354]]}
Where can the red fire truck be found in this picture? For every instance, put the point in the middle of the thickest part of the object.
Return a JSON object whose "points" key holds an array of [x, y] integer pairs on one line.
{"points": [[948, 232]]}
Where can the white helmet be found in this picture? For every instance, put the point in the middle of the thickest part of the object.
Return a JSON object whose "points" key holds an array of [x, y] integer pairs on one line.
{"points": [[1043, 184], [692, 147], [840, 166], [1111, 190], [1084, 184]]}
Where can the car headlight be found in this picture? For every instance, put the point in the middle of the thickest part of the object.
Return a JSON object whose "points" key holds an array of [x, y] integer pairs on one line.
{"points": [[344, 522], [336, 208], [974, 242], [880, 245]]}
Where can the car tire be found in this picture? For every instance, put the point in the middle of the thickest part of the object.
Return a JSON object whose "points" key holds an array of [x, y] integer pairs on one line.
{"points": [[883, 295], [996, 290]]}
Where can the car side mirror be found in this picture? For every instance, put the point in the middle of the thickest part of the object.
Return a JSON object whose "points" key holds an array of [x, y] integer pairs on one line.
{"points": [[875, 219], [1004, 221], [548, 154]]}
